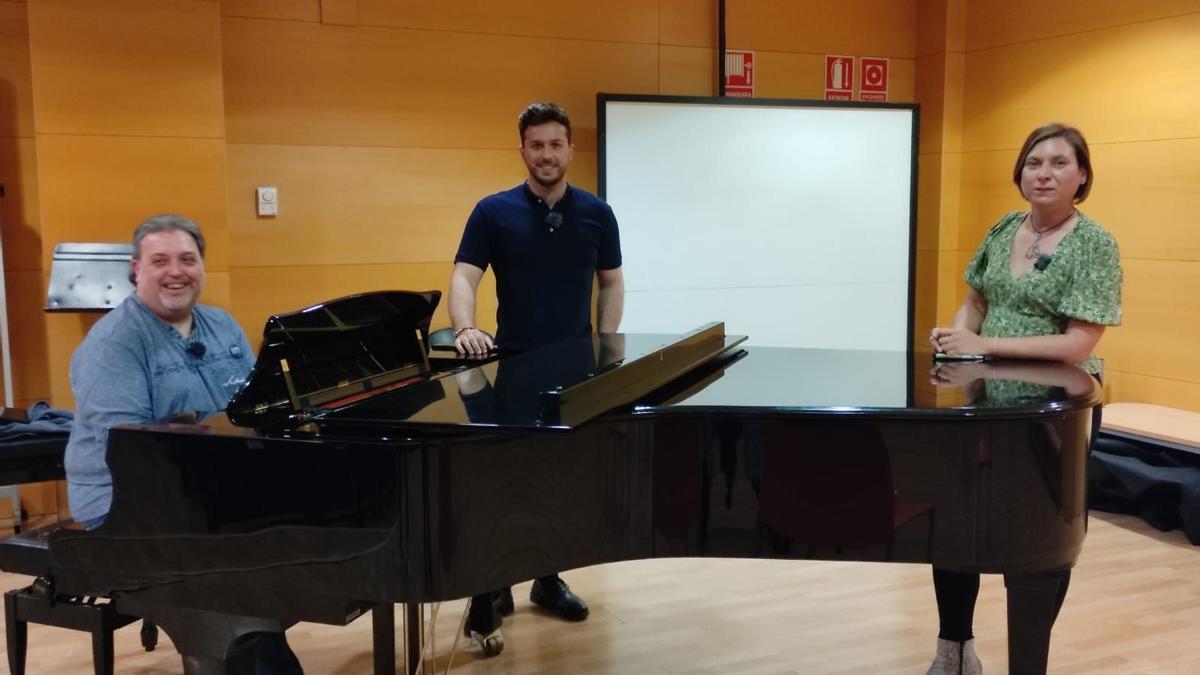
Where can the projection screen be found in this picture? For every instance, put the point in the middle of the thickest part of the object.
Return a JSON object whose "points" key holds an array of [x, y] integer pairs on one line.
{"points": [[792, 221]]}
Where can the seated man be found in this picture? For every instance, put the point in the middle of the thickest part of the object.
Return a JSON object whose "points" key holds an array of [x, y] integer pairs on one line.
{"points": [[158, 355]]}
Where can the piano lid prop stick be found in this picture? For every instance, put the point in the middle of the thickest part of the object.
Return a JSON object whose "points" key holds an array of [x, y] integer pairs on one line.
{"points": [[291, 388], [424, 351]]}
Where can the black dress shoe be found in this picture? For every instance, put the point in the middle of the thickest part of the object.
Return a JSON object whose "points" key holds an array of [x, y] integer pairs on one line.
{"points": [[553, 594], [503, 602], [483, 624]]}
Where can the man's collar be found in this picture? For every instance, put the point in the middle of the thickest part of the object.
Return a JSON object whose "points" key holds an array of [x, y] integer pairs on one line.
{"points": [[535, 199], [161, 321]]}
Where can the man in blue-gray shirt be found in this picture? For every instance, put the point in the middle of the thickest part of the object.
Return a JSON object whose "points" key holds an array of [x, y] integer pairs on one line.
{"points": [[546, 241], [157, 356]]}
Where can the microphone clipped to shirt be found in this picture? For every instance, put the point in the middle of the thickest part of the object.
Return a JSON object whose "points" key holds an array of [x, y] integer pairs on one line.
{"points": [[196, 349], [1043, 261], [553, 220]]}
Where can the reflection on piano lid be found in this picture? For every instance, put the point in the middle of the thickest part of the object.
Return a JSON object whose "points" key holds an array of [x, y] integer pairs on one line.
{"points": [[331, 353]]}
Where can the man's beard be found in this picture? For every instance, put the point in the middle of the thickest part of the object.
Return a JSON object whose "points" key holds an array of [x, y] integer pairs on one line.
{"points": [[547, 182]]}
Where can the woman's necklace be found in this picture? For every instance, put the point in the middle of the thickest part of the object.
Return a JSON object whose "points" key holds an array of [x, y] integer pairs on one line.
{"points": [[1033, 252]]}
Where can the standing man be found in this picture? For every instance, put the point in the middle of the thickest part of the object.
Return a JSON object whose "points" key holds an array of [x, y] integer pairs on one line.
{"points": [[546, 241], [157, 356]]}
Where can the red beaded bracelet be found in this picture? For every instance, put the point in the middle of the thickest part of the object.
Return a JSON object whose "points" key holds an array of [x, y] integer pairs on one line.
{"points": [[462, 330]]}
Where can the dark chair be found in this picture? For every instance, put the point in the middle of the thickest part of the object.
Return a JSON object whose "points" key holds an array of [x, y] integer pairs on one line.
{"points": [[829, 485], [38, 603]]}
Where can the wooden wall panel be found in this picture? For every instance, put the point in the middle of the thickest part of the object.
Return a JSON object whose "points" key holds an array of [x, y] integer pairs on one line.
{"points": [[354, 205], [987, 193], [929, 177], [340, 12], [19, 213], [941, 26], [691, 23], [356, 86], [1148, 195], [687, 71], [22, 226], [608, 21], [1162, 319], [1101, 81], [925, 306], [1018, 21], [27, 334], [291, 10], [1135, 387], [16, 82], [129, 122], [864, 27], [127, 67], [98, 188], [64, 332]]}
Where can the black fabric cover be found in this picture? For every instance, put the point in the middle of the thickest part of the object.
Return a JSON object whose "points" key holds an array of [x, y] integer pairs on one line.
{"points": [[1159, 484]]}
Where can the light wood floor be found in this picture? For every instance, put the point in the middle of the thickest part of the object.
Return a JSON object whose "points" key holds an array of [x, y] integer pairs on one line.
{"points": [[1133, 607]]}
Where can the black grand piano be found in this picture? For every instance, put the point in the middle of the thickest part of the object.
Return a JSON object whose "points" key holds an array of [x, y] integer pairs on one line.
{"points": [[359, 468]]}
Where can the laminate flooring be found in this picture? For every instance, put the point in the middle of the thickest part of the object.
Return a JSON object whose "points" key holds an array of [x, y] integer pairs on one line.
{"points": [[1133, 607]]}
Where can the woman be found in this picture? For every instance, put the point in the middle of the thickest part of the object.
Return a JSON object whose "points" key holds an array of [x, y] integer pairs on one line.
{"points": [[1042, 285]]}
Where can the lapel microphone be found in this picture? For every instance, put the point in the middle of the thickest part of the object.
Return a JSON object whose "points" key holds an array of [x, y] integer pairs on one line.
{"points": [[1043, 261], [196, 349], [553, 220]]}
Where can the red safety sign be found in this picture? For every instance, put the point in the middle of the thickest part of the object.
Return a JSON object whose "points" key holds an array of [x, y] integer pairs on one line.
{"points": [[839, 78], [874, 79], [739, 74]]}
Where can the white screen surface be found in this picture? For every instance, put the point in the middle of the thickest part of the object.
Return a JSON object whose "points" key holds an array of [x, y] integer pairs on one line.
{"points": [[790, 223]]}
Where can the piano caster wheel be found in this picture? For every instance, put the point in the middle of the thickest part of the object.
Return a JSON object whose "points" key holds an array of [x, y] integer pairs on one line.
{"points": [[492, 644]]}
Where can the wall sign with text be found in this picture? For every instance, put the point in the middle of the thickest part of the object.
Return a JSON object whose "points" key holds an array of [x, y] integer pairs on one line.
{"points": [[739, 73], [839, 78], [873, 78]]}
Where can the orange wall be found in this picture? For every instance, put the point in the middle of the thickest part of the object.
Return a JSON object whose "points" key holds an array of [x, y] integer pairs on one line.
{"points": [[395, 117], [22, 223]]}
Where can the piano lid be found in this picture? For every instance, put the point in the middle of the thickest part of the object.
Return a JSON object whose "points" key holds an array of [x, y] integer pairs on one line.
{"points": [[334, 351], [555, 387]]}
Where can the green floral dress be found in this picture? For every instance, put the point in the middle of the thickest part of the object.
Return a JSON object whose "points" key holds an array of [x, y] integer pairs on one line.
{"points": [[1082, 281]]}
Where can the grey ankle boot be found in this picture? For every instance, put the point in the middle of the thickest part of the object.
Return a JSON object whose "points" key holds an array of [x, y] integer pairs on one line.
{"points": [[955, 658]]}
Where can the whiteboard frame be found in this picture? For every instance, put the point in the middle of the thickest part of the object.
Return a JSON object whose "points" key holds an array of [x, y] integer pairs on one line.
{"points": [[603, 99]]}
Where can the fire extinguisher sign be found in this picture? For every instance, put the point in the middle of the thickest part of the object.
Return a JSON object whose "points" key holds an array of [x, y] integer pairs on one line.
{"points": [[839, 78]]}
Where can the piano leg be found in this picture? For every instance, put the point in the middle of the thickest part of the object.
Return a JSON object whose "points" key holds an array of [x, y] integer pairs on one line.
{"points": [[1033, 603], [17, 634], [383, 633], [413, 629]]}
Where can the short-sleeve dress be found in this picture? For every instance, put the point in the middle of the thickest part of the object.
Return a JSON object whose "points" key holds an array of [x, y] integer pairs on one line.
{"points": [[1082, 281]]}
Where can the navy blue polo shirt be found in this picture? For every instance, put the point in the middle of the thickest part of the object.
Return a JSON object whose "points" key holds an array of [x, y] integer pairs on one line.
{"points": [[543, 274]]}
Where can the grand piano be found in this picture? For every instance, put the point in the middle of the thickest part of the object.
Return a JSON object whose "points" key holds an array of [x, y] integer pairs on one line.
{"points": [[358, 468]]}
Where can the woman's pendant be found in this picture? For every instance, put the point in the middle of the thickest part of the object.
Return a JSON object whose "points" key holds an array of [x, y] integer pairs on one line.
{"points": [[1032, 253]]}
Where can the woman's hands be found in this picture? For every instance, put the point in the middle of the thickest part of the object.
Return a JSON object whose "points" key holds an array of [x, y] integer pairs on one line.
{"points": [[960, 341]]}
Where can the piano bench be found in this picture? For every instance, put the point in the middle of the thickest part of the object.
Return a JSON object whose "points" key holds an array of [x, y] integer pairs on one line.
{"points": [[39, 603]]}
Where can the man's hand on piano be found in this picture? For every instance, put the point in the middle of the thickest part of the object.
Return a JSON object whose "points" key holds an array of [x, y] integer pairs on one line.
{"points": [[471, 340], [185, 417]]}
